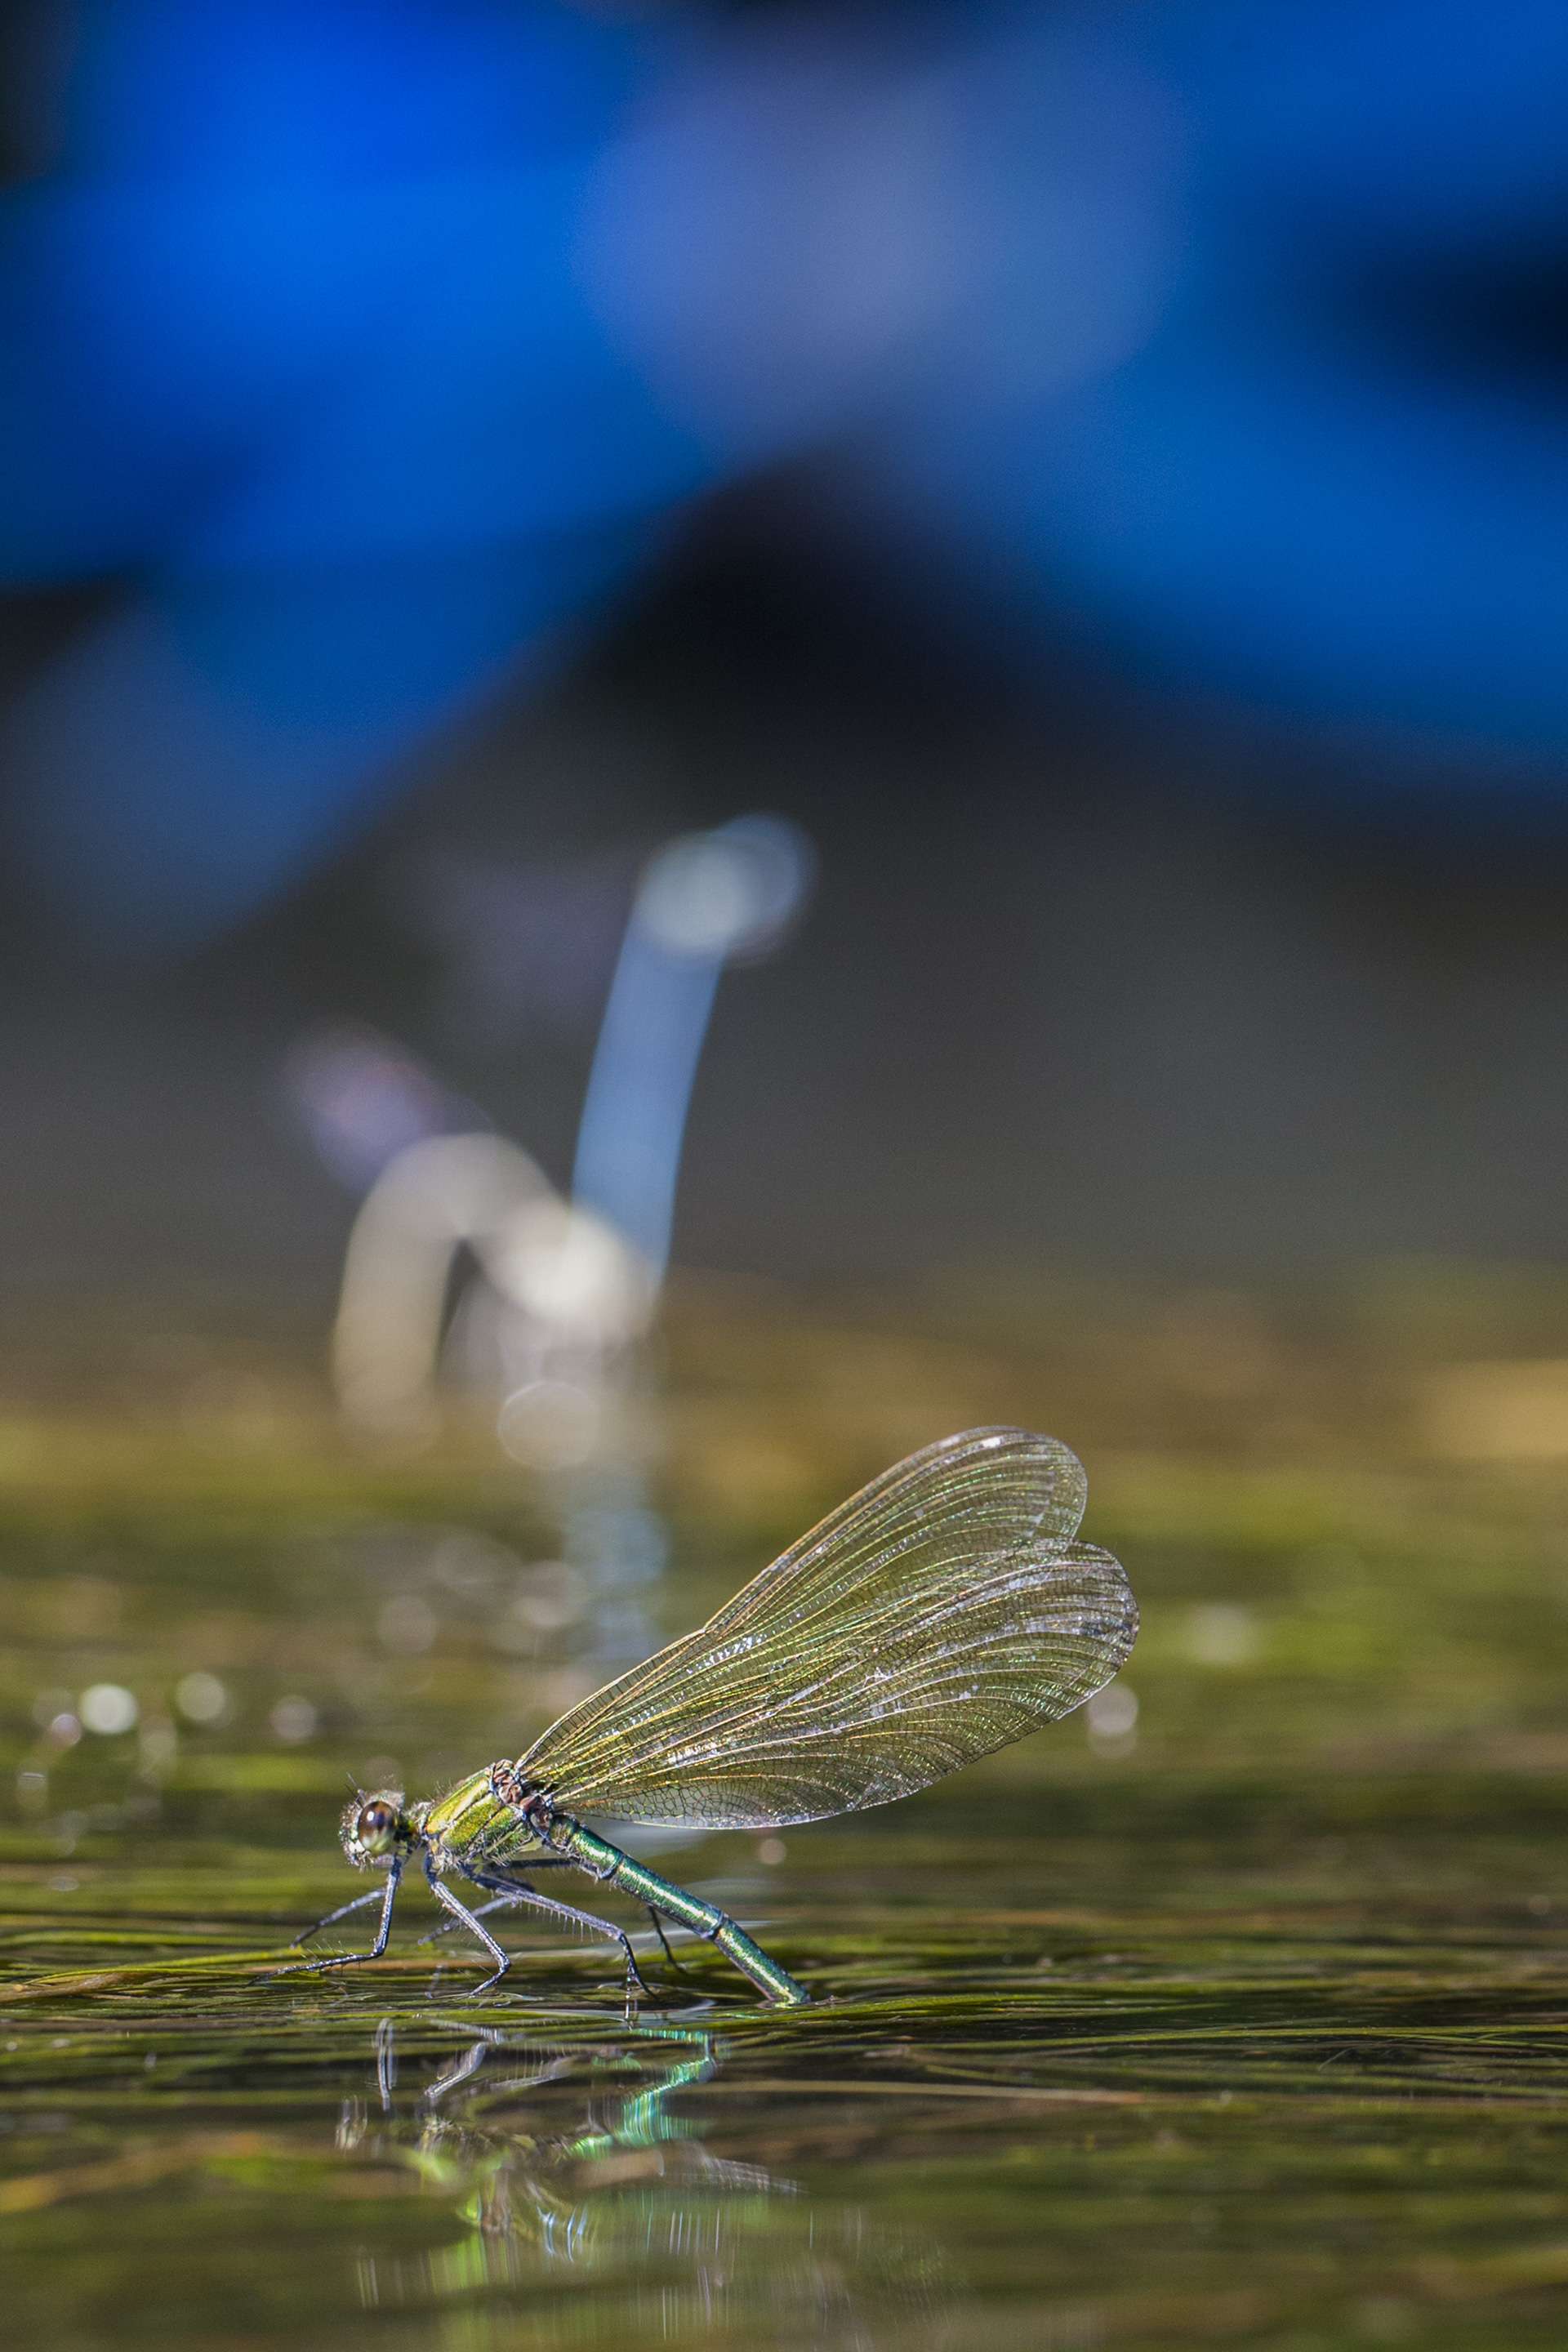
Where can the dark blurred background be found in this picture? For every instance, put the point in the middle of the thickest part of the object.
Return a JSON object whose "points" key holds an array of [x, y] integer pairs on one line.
{"points": [[1100, 470]]}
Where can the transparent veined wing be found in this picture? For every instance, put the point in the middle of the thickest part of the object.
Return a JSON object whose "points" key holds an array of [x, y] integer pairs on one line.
{"points": [[940, 1614]]}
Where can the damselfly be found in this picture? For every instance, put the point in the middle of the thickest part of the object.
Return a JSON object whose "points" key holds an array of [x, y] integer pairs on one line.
{"points": [[943, 1611]]}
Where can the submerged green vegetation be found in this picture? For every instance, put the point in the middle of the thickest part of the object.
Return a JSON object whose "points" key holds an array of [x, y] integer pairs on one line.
{"points": [[1233, 2012]]}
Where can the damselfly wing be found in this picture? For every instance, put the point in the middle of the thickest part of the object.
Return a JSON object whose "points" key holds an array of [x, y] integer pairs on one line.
{"points": [[943, 1611]]}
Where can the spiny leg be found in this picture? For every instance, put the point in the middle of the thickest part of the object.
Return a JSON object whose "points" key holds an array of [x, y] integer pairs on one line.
{"points": [[460, 1912], [521, 1887], [679, 1966], [510, 1892], [481, 1910], [563, 1861], [350, 1959], [359, 1903]]}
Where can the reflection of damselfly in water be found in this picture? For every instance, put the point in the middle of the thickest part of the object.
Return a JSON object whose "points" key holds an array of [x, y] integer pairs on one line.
{"points": [[575, 2160], [942, 1612]]}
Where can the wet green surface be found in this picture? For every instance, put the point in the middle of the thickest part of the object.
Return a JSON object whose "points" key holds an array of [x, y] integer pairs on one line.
{"points": [[1243, 2024]]}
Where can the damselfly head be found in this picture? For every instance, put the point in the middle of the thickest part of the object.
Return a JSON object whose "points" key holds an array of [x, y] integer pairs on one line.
{"points": [[375, 1828]]}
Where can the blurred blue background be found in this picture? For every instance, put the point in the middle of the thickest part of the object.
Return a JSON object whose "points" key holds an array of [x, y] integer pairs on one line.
{"points": [[1101, 469]]}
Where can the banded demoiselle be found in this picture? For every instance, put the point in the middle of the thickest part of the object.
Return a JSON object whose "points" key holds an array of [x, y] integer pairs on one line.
{"points": [[943, 1611]]}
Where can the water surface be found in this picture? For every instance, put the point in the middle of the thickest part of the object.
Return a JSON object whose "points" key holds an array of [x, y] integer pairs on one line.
{"points": [[1238, 2022]]}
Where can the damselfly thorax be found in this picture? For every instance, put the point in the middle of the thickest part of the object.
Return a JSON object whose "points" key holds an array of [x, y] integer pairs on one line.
{"points": [[494, 1808]]}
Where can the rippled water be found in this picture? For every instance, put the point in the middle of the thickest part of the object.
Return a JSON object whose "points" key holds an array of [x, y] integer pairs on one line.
{"points": [[1238, 2022]]}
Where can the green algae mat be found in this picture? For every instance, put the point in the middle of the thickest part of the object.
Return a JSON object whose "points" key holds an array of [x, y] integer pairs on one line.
{"points": [[1234, 2011]]}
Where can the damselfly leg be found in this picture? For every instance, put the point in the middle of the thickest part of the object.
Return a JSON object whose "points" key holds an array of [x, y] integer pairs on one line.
{"points": [[350, 1959], [518, 1890], [512, 1892], [377, 1895], [464, 1917], [657, 1924], [522, 1882]]}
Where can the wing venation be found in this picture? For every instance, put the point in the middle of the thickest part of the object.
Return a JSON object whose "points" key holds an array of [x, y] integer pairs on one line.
{"points": [[941, 1613]]}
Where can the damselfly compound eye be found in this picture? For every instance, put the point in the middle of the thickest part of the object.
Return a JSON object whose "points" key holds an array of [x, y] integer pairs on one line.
{"points": [[375, 1826]]}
